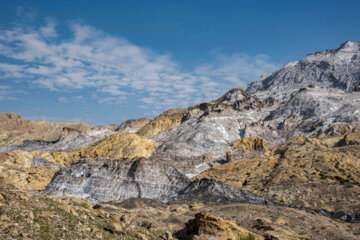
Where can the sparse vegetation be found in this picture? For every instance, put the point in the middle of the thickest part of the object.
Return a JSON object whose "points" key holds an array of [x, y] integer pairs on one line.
{"points": [[41, 217], [322, 176], [247, 237]]}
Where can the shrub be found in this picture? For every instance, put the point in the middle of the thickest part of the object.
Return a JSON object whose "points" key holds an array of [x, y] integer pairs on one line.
{"points": [[248, 237]]}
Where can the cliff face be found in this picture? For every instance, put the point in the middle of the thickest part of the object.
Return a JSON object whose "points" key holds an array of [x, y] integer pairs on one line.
{"points": [[107, 179]]}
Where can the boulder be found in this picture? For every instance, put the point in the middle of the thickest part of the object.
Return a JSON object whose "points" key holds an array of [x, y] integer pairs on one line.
{"points": [[207, 226], [116, 227]]}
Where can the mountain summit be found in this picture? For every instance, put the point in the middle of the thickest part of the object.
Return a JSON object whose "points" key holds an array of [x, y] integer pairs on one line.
{"points": [[330, 68]]}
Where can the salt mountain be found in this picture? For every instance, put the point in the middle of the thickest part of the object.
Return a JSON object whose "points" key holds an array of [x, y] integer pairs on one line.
{"points": [[307, 106]]}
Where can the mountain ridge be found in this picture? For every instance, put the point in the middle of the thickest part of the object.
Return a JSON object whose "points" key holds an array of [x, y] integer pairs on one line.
{"points": [[316, 68]]}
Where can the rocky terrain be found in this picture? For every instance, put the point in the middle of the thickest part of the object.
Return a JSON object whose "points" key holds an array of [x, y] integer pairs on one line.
{"points": [[69, 139], [304, 172], [15, 129], [27, 216], [279, 160]]}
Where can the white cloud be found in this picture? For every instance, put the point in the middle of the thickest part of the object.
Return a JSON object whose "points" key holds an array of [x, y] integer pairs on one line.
{"points": [[118, 69], [48, 31], [63, 99], [70, 99], [11, 71]]}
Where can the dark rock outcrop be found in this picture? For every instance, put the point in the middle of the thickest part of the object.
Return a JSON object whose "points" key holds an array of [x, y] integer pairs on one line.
{"points": [[211, 190]]}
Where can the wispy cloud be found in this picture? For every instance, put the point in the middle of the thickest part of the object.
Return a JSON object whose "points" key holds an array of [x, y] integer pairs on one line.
{"points": [[117, 69], [27, 13], [70, 99], [11, 71], [5, 93]]}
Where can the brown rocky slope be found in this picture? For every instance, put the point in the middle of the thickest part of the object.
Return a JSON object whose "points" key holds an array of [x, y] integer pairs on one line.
{"points": [[320, 173]]}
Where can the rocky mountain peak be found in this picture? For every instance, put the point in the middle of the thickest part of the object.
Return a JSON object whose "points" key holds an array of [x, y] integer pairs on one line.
{"points": [[10, 115], [330, 68], [349, 46], [233, 95]]}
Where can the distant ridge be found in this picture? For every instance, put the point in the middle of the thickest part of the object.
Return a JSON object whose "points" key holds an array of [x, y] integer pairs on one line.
{"points": [[15, 129]]}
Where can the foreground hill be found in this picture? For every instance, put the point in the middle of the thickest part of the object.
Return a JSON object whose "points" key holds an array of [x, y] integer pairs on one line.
{"points": [[27, 216]]}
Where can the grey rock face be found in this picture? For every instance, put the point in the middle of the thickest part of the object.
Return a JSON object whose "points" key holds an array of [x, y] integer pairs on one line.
{"points": [[331, 68], [210, 128], [112, 180], [210, 190], [238, 99], [109, 180], [39, 161], [106, 180], [69, 139], [202, 134]]}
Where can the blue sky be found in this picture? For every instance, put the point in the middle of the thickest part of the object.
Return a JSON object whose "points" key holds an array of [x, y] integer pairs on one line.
{"points": [[103, 62]]}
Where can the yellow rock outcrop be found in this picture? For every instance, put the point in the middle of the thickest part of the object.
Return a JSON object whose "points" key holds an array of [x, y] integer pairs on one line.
{"points": [[164, 122], [207, 226], [120, 145], [249, 144], [16, 169]]}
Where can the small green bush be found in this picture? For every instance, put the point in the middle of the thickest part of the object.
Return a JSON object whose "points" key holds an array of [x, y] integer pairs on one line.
{"points": [[248, 237]]}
